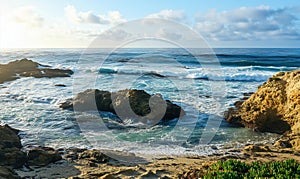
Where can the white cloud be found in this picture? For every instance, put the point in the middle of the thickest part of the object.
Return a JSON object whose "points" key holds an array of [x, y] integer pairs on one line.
{"points": [[169, 34], [176, 15], [113, 17], [28, 15], [247, 23], [115, 35]]}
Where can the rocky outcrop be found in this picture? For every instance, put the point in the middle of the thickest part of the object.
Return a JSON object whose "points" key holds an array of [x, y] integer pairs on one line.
{"points": [[8, 173], [10, 148], [42, 156], [28, 68], [275, 107], [13, 155], [133, 104]]}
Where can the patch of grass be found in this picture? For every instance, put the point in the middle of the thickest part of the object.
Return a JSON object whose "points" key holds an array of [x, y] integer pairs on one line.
{"points": [[231, 169]]}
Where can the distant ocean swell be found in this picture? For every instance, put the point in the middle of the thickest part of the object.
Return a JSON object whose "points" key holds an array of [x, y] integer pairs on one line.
{"points": [[257, 74]]}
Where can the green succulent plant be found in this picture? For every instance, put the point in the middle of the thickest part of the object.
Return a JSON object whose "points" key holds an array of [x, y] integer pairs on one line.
{"points": [[232, 169]]}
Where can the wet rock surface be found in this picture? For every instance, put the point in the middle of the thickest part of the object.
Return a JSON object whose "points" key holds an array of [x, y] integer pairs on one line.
{"points": [[42, 156], [10, 148], [132, 104], [28, 68], [13, 155], [8, 173]]}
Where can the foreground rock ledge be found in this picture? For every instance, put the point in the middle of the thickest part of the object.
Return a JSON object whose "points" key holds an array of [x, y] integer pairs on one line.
{"points": [[275, 107], [28, 68], [12, 155], [131, 104]]}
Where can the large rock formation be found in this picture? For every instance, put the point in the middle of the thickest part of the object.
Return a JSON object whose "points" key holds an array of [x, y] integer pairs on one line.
{"points": [[12, 155], [133, 104], [28, 68], [275, 107]]}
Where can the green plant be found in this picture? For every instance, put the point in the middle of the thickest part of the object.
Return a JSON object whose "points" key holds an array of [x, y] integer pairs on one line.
{"points": [[231, 169]]}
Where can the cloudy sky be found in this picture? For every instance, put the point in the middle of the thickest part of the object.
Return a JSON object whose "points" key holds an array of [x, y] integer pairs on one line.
{"points": [[70, 23]]}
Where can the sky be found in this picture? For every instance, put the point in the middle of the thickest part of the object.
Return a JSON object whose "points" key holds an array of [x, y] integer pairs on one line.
{"points": [[221, 23]]}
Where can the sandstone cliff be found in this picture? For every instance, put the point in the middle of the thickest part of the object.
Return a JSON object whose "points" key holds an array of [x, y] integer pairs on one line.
{"points": [[275, 107]]}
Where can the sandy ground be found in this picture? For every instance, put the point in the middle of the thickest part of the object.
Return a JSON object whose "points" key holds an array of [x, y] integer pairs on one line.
{"points": [[151, 167]]}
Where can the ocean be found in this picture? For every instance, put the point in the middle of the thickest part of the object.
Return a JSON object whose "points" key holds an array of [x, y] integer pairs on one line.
{"points": [[204, 84]]}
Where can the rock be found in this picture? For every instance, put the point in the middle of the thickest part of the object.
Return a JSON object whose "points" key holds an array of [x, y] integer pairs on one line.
{"points": [[108, 176], [95, 156], [232, 114], [60, 85], [9, 137], [132, 104], [149, 174], [8, 173], [42, 156], [275, 107], [68, 104], [10, 148], [28, 68], [191, 173], [49, 73], [283, 143], [72, 153], [256, 148], [294, 140], [13, 157]]}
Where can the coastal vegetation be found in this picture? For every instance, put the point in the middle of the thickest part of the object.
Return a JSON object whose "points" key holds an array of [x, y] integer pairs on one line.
{"points": [[237, 169]]}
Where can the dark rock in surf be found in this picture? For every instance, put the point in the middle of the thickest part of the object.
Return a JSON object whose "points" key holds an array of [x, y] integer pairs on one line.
{"points": [[10, 148], [9, 137], [154, 74], [133, 104], [124, 60], [60, 85], [14, 156], [28, 68]]}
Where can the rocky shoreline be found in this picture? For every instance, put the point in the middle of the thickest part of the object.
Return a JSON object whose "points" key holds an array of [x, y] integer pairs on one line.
{"points": [[45, 162], [13, 155], [275, 107]]}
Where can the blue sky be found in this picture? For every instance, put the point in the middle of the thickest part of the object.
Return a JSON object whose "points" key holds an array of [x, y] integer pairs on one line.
{"points": [[61, 24]]}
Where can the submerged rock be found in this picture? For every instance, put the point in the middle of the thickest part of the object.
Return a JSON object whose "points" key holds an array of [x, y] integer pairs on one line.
{"points": [[29, 68], [127, 104], [275, 107]]}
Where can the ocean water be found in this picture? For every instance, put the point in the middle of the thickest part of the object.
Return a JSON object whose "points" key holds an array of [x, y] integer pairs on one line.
{"points": [[204, 83]]}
